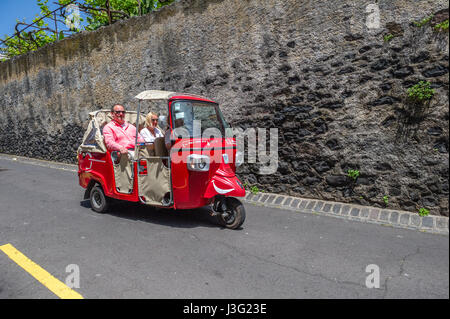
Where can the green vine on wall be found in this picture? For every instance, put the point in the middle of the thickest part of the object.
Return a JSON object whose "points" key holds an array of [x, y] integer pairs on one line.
{"points": [[441, 27], [415, 107], [421, 92]]}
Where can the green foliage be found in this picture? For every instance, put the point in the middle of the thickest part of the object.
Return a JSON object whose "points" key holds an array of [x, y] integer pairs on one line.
{"points": [[421, 92], [388, 37], [386, 199], [40, 34], [353, 174], [424, 212], [97, 10], [31, 39], [254, 189], [423, 22], [443, 26]]}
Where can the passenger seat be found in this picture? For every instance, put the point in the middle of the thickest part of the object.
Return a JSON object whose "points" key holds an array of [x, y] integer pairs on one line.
{"points": [[160, 147]]}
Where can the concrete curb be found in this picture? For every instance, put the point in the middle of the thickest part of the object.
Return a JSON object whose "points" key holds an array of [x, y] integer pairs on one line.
{"points": [[39, 162], [367, 214]]}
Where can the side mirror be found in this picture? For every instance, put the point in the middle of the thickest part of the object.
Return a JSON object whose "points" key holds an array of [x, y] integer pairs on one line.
{"points": [[162, 121]]}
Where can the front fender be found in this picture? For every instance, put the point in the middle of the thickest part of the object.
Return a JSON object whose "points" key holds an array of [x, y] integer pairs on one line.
{"points": [[225, 186]]}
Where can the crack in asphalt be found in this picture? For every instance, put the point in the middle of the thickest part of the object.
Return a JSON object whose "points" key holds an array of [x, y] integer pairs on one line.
{"points": [[401, 271], [297, 270]]}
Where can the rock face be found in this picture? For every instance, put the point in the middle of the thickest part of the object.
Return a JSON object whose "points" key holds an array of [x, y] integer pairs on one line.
{"points": [[334, 89]]}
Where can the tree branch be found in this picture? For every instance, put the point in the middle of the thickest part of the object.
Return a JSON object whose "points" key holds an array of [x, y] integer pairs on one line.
{"points": [[36, 27], [85, 8], [33, 39]]}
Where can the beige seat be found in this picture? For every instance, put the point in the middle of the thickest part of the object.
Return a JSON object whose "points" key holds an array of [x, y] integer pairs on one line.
{"points": [[160, 147]]}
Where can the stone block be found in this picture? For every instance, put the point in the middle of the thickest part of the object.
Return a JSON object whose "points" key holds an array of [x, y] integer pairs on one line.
{"points": [[404, 219], [311, 204], [394, 217], [270, 199], [287, 201], [255, 198], [364, 213], [345, 209], [303, 204], [355, 212], [442, 223], [337, 208], [428, 222], [318, 206], [415, 220], [294, 203], [374, 213], [384, 216]]}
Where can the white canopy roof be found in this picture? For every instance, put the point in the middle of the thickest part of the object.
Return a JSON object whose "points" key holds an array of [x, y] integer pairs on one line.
{"points": [[162, 95]]}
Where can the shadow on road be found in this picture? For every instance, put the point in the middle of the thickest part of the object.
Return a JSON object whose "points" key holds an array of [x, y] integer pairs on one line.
{"points": [[188, 218]]}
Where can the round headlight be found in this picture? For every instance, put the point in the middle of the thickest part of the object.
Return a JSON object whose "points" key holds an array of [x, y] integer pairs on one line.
{"points": [[202, 165], [197, 162]]}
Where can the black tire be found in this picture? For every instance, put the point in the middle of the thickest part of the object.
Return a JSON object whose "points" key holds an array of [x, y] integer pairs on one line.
{"points": [[99, 202], [236, 214]]}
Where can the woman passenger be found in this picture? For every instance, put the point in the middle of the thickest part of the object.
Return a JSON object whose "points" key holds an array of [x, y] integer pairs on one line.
{"points": [[151, 130]]}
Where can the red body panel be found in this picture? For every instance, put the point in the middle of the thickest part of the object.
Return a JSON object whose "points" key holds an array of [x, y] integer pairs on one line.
{"points": [[98, 167], [191, 189], [195, 189]]}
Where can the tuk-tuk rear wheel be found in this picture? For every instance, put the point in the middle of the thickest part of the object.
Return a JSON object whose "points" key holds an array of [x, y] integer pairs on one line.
{"points": [[234, 216], [99, 202]]}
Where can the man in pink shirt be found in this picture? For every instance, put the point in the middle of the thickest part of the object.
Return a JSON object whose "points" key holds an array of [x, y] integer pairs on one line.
{"points": [[120, 135]]}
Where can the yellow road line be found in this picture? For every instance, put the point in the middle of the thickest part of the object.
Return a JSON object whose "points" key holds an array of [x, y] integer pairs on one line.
{"points": [[45, 278]]}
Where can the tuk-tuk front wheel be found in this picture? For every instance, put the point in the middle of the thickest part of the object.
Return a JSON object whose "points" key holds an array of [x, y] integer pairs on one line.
{"points": [[99, 202], [233, 216]]}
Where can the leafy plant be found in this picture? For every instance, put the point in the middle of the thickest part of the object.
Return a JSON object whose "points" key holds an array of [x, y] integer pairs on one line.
{"points": [[97, 12], [254, 189], [424, 212], [388, 37], [443, 26], [416, 104], [423, 22], [420, 92], [386, 199], [101, 12], [353, 174]]}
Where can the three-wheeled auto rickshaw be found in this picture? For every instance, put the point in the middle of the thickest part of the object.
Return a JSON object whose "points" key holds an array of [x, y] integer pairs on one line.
{"points": [[195, 168]]}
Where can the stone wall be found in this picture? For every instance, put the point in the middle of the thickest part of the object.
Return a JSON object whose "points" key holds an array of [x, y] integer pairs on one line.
{"points": [[334, 88]]}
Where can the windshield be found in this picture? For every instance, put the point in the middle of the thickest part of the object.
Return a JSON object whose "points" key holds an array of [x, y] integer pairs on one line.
{"points": [[195, 117]]}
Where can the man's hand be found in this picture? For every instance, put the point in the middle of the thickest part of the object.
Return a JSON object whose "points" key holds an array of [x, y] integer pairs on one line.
{"points": [[123, 150]]}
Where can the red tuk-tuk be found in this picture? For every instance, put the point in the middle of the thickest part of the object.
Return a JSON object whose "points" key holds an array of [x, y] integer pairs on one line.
{"points": [[198, 169]]}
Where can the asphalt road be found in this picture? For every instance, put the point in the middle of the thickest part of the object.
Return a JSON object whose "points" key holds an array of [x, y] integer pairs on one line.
{"points": [[138, 252]]}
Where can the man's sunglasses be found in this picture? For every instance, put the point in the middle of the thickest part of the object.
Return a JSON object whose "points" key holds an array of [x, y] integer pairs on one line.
{"points": [[154, 120], [118, 112]]}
